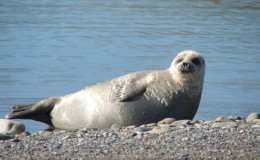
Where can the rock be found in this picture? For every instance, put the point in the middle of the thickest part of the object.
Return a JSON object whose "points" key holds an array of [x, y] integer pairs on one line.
{"points": [[208, 122], [141, 129], [189, 128], [15, 140], [11, 127], [252, 116], [223, 119], [159, 130], [255, 121], [132, 126], [42, 132], [195, 121], [232, 118], [168, 120], [256, 125], [164, 125], [185, 139], [5, 137], [115, 126], [198, 125], [224, 124], [151, 124], [160, 122], [89, 129], [201, 121], [181, 122], [206, 127], [244, 125]]}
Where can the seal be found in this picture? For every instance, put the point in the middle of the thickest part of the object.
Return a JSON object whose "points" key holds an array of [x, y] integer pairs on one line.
{"points": [[133, 99]]}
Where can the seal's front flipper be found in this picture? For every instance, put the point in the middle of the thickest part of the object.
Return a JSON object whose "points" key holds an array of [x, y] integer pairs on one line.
{"points": [[130, 91], [39, 111]]}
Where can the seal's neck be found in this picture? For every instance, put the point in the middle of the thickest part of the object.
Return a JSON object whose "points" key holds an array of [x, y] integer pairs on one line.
{"points": [[191, 82]]}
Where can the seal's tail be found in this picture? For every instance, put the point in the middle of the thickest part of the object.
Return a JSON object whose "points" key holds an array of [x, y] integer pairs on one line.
{"points": [[39, 111]]}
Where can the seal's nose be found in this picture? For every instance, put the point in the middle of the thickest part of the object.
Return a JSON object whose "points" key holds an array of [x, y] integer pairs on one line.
{"points": [[185, 64]]}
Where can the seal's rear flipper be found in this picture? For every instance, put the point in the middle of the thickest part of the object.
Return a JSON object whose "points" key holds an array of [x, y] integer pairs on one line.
{"points": [[39, 111]]}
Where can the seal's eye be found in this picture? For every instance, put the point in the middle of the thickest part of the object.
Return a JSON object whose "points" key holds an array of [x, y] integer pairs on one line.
{"points": [[179, 60], [196, 61]]}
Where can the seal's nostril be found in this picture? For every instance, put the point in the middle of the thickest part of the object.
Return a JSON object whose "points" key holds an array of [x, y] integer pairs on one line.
{"points": [[185, 64]]}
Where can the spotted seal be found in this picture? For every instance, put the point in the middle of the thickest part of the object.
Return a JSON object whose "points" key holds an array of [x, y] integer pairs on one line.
{"points": [[133, 99]]}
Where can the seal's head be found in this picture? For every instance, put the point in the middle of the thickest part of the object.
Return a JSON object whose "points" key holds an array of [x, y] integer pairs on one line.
{"points": [[188, 66]]}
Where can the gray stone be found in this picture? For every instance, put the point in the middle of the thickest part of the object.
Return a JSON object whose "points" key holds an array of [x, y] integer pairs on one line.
{"points": [[181, 122], [159, 130], [255, 121], [244, 125], [15, 140], [132, 126], [224, 125], [168, 120], [252, 116], [256, 125], [224, 119], [5, 137], [208, 122], [195, 121], [234, 118], [141, 129], [198, 125], [201, 121], [221, 119], [185, 139], [165, 125], [151, 124], [11, 127]]}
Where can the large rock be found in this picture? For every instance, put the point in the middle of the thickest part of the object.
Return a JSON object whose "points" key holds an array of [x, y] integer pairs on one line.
{"points": [[10, 127], [252, 116]]}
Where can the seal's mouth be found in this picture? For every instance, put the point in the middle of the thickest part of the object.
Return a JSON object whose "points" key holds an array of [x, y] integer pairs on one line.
{"points": [[186, 71], [186, 68]]}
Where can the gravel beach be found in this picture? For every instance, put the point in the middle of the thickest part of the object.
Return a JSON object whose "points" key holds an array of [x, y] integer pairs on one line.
{"points": [[223, 138]]}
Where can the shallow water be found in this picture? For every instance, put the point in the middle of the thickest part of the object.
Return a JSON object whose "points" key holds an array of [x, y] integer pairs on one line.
{"points": [[53, 48]]}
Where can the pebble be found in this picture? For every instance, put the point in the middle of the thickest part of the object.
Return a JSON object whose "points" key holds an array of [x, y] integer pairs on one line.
{"points": [[184, 140], [195, 121], [165, 125], [208, 122], [5, 136], [256, 125], [221, 119], [159, 130], [132, 126], [151, 124], [244, 125], [15, 140], [224, 119], [168, 120], [181, 122], [141, 129], [198, 125], [224, 124]]}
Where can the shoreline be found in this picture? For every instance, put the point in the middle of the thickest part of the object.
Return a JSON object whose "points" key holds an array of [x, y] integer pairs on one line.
{"points": [[223, 138]]}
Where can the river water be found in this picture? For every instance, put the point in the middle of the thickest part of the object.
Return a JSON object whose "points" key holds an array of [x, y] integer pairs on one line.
{"points": [[53, 48]]}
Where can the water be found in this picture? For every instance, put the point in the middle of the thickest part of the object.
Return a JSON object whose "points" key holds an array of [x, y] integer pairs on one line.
{"points": [[53, 48]]}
